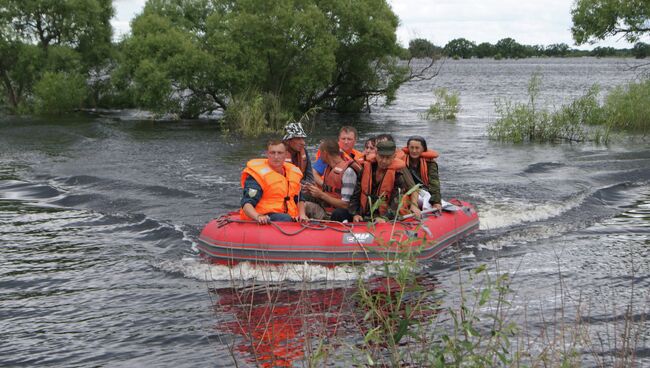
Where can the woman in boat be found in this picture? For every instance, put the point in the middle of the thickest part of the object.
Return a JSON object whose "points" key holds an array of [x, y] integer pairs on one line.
{"points": [[424, 169]]}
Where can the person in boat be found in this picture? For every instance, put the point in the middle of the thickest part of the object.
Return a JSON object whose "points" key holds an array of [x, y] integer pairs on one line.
{"points": [[389, 137], [421, 163], [384, 177], [347, 139], [370, 147], [272, 188], [339, 181], [294, 140]]}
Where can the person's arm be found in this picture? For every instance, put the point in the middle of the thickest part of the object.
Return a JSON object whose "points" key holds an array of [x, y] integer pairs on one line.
{"points": [[354, 205], [434, 184], [308, 175], [406, 183], [250, 199]]}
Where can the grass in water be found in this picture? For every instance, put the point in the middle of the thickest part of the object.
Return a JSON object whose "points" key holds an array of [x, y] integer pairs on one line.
{"points": [[445, 107], [626, 108]]}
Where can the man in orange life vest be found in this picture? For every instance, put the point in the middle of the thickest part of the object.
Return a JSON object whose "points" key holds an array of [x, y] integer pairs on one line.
{"points": [[347, 139], [385, 177], [294, 139], [272, 188], [339, 182]]}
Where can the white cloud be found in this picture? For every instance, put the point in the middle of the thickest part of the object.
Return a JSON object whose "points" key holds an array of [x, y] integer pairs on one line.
{"points": [[529, 22]]}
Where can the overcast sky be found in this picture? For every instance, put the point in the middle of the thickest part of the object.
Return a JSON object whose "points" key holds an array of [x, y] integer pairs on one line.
{"points": [[529, 22]]}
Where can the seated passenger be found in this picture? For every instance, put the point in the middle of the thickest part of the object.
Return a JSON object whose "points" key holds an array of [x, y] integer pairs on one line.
{"points": [[339, 181], [388, 137], [424, 169], [272, 188], [294, 139], [384, 177], [370, 147], [347, 139]]}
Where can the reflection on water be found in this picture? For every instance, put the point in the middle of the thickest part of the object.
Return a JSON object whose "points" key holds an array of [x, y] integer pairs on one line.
{"points": [[279, 325]]}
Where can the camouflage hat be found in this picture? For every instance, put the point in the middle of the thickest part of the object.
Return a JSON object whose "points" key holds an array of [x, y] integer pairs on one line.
{"points": [[385, 148], [294, 130]]}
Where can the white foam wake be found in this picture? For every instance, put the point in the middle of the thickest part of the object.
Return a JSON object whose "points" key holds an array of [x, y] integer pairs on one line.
{"points": [[195, 268], [506, 212]]}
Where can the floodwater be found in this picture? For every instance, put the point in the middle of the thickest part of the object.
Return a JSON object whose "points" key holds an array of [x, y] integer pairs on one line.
{"points": [[99, 216]]}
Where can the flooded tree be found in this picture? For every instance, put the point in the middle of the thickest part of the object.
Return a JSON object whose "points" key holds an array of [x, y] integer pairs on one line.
{"points": [[197, 57], [65, 39]]}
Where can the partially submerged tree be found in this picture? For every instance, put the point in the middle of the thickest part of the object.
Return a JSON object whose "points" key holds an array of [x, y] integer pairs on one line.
{"points": [[193, 57], [598, 19], [70, 37]]}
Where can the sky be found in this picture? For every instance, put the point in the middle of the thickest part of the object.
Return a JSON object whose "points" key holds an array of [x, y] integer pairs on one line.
{"points": [[529, 22]]}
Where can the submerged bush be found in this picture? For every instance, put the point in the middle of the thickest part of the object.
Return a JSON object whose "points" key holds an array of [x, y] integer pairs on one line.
{"points": [[628, 107], [58, 93], [253, 114], [625, 109], [445, 107]]}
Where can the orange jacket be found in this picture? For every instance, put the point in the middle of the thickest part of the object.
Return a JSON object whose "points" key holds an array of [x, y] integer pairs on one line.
{"points": [[344, 155], [427, 155], [278, 190], [386, 185]]}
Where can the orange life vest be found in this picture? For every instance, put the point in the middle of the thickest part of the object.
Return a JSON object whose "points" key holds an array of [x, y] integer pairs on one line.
{"points": [[426, 156], [386, 185], [344, 155], [301, 159], [278, 190], [333, 179]]}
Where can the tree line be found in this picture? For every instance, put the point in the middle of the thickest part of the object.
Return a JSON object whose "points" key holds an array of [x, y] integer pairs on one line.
{"points": [[508, 48], [284, 57]]}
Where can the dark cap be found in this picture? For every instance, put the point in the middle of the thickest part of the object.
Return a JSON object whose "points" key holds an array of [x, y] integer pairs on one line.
{"points": [[385, 148]]}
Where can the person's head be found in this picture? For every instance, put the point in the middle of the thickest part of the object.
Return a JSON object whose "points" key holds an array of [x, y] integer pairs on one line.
{"points": [[294, 136], [347, 138], [329, 150], [384, 137], [416, 145], [370, 146], [385, 153], [276, 152]]}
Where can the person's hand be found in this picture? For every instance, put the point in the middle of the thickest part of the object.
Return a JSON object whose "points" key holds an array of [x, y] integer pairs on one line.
{"points": [[263, 219], [314, 190], [438, 206], [302, 218], [380, 220], [357, 218], [416, 213]]}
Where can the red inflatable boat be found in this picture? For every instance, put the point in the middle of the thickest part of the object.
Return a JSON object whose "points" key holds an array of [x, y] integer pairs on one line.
{"points": [[229, 240]]}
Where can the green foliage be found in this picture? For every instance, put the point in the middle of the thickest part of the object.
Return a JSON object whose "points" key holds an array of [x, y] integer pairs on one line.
{"points": [[598, 19], [460, 47], [626, 108], [59, 92], [641, 50], [41, 36], [254, 113], [306, 53], [422, 48], [445, 106], [484, 49], [519, 122], [510, 49]]}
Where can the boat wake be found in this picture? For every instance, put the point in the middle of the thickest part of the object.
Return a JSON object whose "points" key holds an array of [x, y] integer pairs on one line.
{"points": [[196, 268]]}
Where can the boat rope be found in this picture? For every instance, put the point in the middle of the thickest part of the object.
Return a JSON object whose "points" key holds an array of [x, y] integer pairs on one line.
{"points": [[311, 225]]}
